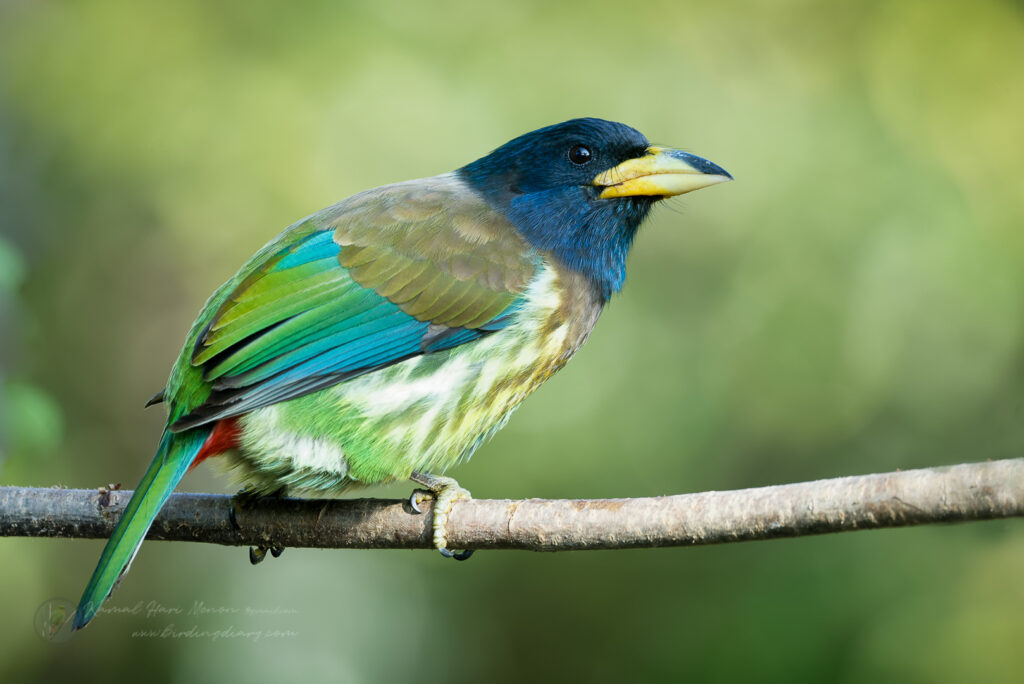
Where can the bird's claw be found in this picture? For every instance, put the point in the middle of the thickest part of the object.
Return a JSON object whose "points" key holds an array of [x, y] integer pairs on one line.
{"points": [[445, 491], [257, 554], [417, 497]]}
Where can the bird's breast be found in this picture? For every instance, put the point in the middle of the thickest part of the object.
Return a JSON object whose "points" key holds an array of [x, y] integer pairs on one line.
{"points": [[449, 401]]}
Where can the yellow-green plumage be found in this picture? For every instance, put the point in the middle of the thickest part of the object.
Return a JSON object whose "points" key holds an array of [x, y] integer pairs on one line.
{"points": [[426, 413]]}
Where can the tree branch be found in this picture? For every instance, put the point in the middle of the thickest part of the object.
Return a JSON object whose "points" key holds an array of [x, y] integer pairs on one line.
{"points": [[974, 491]]}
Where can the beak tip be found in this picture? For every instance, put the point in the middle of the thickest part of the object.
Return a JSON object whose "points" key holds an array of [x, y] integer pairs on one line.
{"points": [[709, 168], [699, 164]]}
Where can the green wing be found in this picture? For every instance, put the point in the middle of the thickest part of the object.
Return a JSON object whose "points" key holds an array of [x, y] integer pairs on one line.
{"points": [[386, 275]]}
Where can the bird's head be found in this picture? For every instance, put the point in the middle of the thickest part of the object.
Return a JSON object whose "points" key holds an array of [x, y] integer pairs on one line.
{"points": [[581, 188]]}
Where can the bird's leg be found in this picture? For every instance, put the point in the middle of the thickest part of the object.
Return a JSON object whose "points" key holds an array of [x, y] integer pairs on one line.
{"points": [[246, 498], [445, 491]]}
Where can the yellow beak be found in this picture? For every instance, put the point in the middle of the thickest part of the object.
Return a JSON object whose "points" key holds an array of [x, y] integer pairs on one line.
{"points": [[662, 172]]}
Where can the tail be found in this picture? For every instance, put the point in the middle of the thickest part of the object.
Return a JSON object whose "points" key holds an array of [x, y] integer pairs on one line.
{"points": [[173, 457]]}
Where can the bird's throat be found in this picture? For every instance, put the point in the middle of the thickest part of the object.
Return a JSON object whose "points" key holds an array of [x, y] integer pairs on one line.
{"points": [[588, 235]]}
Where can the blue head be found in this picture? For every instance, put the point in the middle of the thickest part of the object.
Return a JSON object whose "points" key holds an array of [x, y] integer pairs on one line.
{"points": [[580, 189]]}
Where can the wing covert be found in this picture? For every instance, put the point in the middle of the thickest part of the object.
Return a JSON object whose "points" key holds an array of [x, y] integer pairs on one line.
{"points": [[386, 275]]}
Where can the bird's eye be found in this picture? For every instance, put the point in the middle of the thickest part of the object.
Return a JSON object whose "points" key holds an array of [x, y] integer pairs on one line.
{"points": [[580, 154]]}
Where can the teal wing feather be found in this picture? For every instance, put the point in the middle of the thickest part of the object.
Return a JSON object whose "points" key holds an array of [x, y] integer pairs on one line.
{"points": [[393, 273]]}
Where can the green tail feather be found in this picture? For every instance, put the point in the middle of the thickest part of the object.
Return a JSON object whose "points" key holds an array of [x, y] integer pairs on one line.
{"points": [[176, 453]]}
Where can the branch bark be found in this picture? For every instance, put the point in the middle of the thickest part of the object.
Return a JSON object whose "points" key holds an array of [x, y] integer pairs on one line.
{"points": [[974, 491]]}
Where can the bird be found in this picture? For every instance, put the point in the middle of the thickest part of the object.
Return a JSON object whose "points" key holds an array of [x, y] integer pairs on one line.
{"points": [[388, 336]]}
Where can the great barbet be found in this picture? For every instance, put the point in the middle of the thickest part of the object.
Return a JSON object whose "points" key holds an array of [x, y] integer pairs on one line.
{"points": [[389, 335]]}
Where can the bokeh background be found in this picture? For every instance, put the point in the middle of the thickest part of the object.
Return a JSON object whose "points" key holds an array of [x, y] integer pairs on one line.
{"points": [[852, 303]]}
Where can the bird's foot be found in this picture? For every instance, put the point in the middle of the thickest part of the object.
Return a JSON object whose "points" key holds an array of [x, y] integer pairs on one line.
{"points": [[258, 553], [242, 500], [445, 491]]}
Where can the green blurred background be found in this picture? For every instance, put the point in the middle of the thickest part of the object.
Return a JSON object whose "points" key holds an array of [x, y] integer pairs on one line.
{"points": [[852, 303]]}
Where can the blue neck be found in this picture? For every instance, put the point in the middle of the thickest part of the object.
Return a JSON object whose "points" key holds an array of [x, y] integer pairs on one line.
{"points": [[589, 235]]}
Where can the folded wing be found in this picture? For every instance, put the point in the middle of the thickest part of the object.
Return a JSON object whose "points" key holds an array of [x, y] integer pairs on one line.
{"points": [[384, 276]]}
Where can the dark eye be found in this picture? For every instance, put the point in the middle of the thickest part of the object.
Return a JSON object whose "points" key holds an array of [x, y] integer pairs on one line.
{"points": [[580, 154]]}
